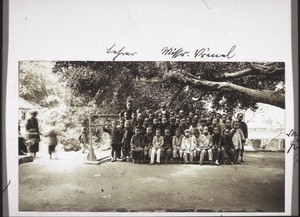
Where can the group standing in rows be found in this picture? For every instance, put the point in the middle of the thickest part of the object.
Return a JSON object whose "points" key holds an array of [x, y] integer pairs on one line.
{"points": [[179, 137]]}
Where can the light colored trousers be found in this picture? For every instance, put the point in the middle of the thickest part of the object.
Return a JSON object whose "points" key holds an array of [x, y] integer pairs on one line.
{"points": [[188, 156], [177, 153], [203, 152], [157, 152]]}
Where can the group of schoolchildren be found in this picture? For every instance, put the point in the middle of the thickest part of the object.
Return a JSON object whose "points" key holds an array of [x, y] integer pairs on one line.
{"points": [[177, 137]]}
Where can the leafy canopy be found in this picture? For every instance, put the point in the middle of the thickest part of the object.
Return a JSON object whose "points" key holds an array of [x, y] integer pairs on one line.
{"points": [[109, 84]]}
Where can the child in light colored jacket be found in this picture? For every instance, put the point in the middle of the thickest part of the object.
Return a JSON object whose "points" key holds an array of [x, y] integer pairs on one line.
{"points": [[157, 144], [188, 147]]}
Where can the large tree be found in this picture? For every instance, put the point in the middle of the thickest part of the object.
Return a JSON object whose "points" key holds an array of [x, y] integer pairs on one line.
{"points": [[181, 84]]}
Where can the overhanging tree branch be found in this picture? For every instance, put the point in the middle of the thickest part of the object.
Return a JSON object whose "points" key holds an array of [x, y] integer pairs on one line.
{"points": [[183, 77], [266, 70]]}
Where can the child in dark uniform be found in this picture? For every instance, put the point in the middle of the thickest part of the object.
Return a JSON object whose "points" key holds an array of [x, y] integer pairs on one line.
{"points": [[126, 140], [216, 143], [226, 142], [148, 137], [136, 144], [167, 146], [115, 139]]}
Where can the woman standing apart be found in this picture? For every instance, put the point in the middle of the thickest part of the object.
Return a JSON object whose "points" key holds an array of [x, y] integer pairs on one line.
{"points": [[33, 133]]}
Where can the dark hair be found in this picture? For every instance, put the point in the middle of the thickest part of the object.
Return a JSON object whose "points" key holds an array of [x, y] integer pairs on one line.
{"points": [[225, 130], [235, 122]]}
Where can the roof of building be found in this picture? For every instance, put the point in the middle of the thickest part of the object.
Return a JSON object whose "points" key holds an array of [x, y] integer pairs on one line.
{"points": [[25, 105]]}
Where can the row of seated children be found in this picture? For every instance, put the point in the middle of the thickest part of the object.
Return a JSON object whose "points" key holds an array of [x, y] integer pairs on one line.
{"points": [[190, 145], [170, 119]]}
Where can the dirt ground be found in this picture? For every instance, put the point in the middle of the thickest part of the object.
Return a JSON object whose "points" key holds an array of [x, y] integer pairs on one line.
{"points": [[67, 184]]}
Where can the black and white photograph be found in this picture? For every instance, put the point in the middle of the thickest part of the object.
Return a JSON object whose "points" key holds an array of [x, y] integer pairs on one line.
{"points": [[149, 108], [151, 136]]}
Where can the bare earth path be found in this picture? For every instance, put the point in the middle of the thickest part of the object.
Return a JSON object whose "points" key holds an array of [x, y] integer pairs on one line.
{"points": [[67, 184]]}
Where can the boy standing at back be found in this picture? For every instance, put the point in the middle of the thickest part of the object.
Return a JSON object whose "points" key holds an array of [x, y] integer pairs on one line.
{"points": [[156, 125], [172, 126]]}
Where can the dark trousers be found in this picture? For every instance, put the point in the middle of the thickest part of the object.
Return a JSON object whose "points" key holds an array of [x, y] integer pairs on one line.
{"points": [[230, 154], [237, 153], [125, 151], [137, 154], [216, 153], [167, 153], [115, 150], [242, 152], [222, 155]]}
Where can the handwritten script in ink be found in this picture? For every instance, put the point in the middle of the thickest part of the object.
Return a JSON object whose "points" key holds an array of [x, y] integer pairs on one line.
{"points": [[174, 53], [119, 52], [294, 145]]}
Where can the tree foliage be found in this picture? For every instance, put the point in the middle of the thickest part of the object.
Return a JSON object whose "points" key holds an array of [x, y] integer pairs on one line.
{"points": [[32, 84], [109, 84]]}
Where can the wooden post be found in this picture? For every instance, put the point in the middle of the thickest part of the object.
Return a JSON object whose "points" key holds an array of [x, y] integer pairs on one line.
{"points": [[91, 157]]}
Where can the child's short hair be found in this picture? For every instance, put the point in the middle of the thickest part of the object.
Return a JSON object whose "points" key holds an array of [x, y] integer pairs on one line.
{"points": [[240, 113], [236, 122], [137, 128], [196, 131], [226, 129]]}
